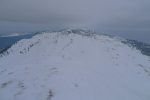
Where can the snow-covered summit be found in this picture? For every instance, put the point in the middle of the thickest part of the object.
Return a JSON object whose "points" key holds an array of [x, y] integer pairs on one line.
{"points": [[68, 65]]}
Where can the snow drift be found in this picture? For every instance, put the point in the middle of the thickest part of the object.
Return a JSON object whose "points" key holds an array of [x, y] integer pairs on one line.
{"points": [[73, 65]]}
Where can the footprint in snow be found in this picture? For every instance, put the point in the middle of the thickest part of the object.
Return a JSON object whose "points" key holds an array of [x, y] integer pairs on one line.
{"points": [[5, 84], [50, 94], [21, 87]]}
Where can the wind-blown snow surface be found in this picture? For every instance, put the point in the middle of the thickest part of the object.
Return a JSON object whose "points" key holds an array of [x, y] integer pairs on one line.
{"points": [[68, 66]]}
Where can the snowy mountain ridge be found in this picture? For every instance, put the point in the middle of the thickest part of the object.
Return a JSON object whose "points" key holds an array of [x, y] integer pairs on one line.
{"points": [[69, 66]]}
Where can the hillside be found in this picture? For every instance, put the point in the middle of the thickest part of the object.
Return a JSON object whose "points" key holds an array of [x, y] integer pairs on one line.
{"points": [[74, 65]]}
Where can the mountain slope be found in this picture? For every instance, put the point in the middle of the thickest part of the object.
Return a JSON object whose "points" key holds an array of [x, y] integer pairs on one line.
{"points": [[74, 66], [6, 41]]}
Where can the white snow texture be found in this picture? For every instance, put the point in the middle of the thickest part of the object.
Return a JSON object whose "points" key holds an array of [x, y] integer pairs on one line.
{"points": [[69, 66]]}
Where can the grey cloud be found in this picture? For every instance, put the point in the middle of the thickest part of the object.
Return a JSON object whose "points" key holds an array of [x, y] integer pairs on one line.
{"points": [[107, 13]]}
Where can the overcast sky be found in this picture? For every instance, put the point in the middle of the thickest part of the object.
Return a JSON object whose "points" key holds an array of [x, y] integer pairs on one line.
{"points": [[111, 15], [100, 11]]}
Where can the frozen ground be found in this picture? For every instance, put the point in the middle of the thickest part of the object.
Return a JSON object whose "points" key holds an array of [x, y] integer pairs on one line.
{"points": [[74, 66]]}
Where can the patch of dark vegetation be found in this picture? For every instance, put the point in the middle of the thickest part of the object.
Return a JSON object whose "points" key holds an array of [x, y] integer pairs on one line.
{"points": [[4, 51], [25, 50]]}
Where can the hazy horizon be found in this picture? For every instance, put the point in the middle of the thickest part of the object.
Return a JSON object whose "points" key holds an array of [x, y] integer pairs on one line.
{"points": [[127, 18], [15, 27]]}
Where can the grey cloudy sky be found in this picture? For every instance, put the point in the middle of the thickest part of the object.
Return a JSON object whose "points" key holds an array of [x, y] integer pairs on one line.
{"points": [[100, 11], [111, 15]]}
